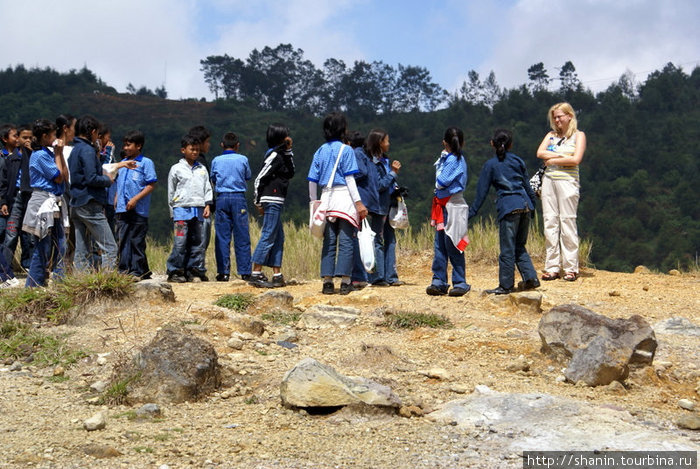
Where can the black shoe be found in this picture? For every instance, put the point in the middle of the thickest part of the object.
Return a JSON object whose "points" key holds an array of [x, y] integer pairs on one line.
{"points": [[278, 281], [222, 277], [500, 291], [200, 274], [328, 288], [246, 277], [380, 283], [359, 284], [346, 288], [259, 281], [176, 277], [397, 283], [434, 290], [459, 291], [530, 284]]}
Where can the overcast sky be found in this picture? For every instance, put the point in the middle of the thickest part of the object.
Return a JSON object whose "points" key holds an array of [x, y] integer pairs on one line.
{"points": [[156, 42]]}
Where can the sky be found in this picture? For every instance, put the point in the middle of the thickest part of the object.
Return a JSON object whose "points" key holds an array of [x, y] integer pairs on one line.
{"points": [[161, 42]]}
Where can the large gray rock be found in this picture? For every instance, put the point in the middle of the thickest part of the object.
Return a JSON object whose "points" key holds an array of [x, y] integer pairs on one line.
{"points": [[512, 423], [174, 367], [313, 384], [598, 364], [320, 316], [567, 328]]}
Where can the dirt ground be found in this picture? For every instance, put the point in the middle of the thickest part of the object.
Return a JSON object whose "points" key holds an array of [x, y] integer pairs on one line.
{"points": [[245, 425]]}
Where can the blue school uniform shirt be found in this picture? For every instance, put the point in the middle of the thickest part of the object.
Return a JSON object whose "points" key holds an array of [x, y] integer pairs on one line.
{"points": [[132, 181], [450, 175], [512, 184], [229, 172], [324, 160], [188, 213], [366, 180], [43, 172]]}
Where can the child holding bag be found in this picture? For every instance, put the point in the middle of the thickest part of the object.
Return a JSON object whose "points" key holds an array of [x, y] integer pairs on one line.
{"points": [[334, 167]]}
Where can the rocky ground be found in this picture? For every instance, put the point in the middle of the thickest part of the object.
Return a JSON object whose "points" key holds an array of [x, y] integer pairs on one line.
{"points": [[245, 425]]}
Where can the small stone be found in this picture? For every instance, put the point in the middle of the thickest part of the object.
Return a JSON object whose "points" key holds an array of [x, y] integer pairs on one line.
{"points": [[436, 373], [151, 410], [560, 379], [519, 364], [102, 359], [674, 272], [286, 344], [225, 395], [614, 293], [645, 288], [686, 404], [482, 389], [235, 343], [94, 401], [99, 386], [410, 411], [459, 389], [16, 366], [101, 451], [59, 371], [96, 422], [640, 269], [689, 421], [617, 388]]}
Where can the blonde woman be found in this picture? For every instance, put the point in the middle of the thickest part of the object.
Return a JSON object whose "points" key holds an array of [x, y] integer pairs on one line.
{"points": [[562, 151]]}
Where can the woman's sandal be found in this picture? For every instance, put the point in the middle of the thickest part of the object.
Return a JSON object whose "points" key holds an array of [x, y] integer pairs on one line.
{"points": [[571, 276], [550, 275]]}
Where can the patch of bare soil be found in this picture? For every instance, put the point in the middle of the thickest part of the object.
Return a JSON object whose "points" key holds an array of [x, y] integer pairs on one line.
{"points": [[244, 424]]}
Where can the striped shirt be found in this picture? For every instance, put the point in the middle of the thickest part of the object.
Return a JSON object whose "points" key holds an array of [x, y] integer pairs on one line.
{"points": [[567, 147]]}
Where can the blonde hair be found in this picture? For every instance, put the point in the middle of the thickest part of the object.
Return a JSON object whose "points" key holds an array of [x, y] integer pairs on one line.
{"points": [[569, 111]]}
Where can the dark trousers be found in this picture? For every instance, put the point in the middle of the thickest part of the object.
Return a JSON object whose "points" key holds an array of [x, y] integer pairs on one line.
{"points": [[132, 229], [187, 253], [14, 233]]}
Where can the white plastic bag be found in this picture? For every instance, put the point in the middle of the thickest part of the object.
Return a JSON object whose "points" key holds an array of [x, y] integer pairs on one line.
{"points": [[398, 216], [317, 218], [365, 238]]}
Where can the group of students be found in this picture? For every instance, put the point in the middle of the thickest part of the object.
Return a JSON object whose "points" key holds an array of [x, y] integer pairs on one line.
{"points": [[59, 178], [48, 186], [355, 187]]}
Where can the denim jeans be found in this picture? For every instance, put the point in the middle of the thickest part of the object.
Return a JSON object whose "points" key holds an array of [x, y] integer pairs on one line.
{"points": [[204, 243], [232, 218], [48, 253], [337, 250], [91, 223], [187, 242], [14, 233], [359, 274], [390, 274], [270, 248], [444, 250], [132, 229], [512, 233]]}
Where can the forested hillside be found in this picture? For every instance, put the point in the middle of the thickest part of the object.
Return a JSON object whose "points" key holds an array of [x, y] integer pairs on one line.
{"points": [[640, 179]]}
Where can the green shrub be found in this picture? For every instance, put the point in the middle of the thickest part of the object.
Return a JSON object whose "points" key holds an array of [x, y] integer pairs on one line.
{"points": [[238, 302], [408, 320]]}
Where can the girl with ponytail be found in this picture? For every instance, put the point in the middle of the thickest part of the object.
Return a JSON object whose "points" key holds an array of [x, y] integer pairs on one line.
{"points": [[515, 205], [449, 217]]}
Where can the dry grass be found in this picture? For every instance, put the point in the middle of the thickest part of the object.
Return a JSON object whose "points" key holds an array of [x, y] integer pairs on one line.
{"points": [[302, 252]]}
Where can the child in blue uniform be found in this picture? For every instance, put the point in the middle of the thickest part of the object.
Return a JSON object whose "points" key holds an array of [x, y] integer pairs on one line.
{"points": [[230, 172], [133, 200], [449, 216], [515, 205]]}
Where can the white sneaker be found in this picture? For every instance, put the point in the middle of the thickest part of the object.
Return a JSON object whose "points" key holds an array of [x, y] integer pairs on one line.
{"points": [[10, 283]]}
